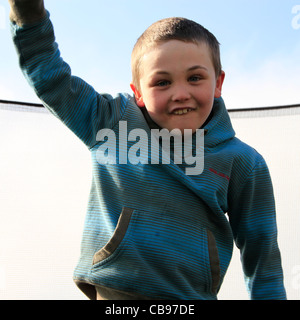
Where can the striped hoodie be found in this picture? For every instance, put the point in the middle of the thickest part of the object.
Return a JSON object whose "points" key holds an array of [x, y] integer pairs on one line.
{"points": [[152, 231]]}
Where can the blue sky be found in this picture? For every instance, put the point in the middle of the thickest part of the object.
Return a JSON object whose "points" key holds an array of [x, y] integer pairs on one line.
{"points": [[260, 44]]}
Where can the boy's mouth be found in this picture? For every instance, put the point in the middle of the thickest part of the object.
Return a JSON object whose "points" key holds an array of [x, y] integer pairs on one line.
{"points": [[182, 111]]}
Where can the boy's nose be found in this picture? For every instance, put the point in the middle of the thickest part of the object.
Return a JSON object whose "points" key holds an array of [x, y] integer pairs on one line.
{"points": [[180, 94]]}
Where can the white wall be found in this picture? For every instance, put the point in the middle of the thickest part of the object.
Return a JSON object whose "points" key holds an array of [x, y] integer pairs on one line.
{"points": [[44, 185]]}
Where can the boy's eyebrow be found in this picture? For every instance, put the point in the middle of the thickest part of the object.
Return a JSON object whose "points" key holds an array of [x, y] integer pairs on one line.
{"points": [[189, 69], [197, 67]]}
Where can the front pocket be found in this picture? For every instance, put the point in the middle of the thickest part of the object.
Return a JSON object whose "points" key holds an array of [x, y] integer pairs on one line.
{"points": [[116, 238], [214, 262], [159, 253]]}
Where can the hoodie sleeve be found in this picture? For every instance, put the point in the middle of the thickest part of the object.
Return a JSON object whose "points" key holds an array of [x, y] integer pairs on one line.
{"points": [[253, 221], [69, 98]]}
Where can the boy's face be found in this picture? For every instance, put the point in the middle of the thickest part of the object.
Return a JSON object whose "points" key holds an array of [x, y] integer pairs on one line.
{"points": [[178, 85]]}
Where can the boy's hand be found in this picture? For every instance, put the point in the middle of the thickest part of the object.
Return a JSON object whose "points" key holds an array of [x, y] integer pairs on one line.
{"points": [[26, 11]]}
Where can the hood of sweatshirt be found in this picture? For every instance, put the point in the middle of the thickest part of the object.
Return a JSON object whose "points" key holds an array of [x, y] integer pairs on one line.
{"points": [[219, 128]]}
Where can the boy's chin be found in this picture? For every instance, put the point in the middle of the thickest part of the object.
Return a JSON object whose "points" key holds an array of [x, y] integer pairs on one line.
{"points": [[182, 130], [188, 126]]}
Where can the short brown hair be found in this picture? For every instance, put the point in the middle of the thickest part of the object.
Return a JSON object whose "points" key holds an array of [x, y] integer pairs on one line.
{"points": [[173, 29]]}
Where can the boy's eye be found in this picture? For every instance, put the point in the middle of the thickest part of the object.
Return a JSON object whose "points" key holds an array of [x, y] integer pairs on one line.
{"points": [[195, 78], [162, 83]]}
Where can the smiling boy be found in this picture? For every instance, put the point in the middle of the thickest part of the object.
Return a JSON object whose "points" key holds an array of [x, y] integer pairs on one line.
{"points": [[151, 231], [178, 84]]}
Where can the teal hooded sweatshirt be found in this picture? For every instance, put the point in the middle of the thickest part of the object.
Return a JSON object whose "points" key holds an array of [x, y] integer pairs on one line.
{"points": [[152, 231]]}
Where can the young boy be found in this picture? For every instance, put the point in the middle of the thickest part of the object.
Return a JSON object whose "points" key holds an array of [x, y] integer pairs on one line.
{"points": [[152, 231]]}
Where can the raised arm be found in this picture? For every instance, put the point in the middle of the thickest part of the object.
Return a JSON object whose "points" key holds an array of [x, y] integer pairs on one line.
{"points": [[26, 11], [68, 97]]}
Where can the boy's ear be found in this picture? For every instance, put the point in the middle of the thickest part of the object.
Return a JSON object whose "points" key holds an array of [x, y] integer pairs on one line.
{"points": [[219, 84], [138, 96]]}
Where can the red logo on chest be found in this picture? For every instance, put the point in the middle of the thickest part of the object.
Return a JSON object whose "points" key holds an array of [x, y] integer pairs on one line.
{"points": [[219, 173]]}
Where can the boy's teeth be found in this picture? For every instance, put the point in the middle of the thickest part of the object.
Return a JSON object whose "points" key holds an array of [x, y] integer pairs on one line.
{"points": [[181, 111]]}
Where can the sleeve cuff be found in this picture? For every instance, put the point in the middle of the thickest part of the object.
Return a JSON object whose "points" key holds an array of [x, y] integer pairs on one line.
{"points": [[15, 27]]}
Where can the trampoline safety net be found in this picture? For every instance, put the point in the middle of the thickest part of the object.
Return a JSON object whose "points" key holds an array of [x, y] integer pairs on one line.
{"points": [[41, 224]]}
